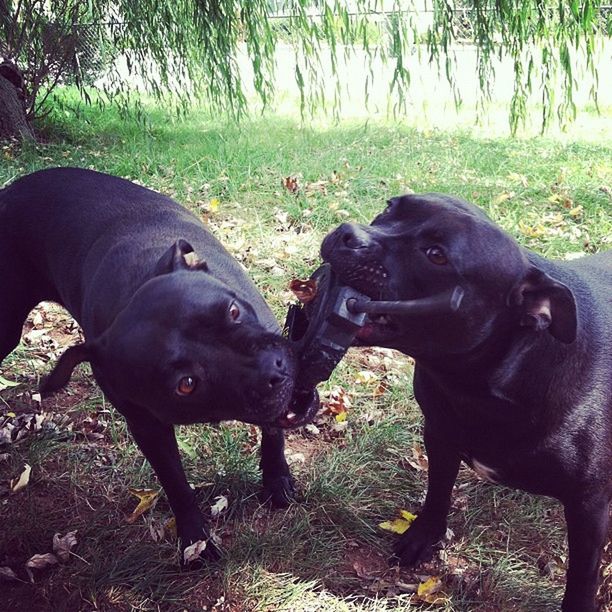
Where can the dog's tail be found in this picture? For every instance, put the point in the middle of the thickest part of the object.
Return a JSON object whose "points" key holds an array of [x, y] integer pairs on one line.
{"points": [[60, 375]]}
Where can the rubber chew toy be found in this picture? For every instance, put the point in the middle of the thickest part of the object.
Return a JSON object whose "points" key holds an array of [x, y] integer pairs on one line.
{"points": [[323, 329]]}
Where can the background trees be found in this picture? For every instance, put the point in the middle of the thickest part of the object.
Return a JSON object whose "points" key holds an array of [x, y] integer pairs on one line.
{"points": [[189, 48]]}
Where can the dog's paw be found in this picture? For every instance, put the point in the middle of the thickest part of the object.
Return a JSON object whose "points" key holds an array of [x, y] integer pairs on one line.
{"points": [[279, 491], [418, 543], [197, 548]]}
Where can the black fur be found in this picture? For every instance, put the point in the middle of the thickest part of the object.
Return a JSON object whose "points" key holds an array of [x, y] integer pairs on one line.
{"points": [[517, 383], [159, 300]]}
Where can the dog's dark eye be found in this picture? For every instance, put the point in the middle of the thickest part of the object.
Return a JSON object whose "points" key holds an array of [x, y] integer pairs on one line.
{"points": [[186, 386], [234, 311], [436, 255]]}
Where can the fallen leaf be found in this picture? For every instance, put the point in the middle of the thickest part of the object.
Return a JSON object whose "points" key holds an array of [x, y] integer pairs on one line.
{"points": [[304, 290], [41, 561], [170, 526], [290, 183], [219, 506], [6, 573], [341, 417], [157, 531], [337, 401], [63, 545], [576, 211], [192, 552], [366, 377], [214, 204], [20, 483], [429, 591], [532, 231], [147, 498], [518, 178], [399, 525], [503, 197], [419, 459]]}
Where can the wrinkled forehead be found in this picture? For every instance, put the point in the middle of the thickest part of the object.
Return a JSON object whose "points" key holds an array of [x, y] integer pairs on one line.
{"points": [[451, 222], [437, 216], [417, 208], [179, 299]]}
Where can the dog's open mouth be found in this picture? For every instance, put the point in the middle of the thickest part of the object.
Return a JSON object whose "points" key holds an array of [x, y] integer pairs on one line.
{"points": [[376, 327], [302, 409]]}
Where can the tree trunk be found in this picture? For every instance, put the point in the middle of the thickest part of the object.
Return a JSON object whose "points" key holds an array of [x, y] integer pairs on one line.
{"points": [[13, 122]]}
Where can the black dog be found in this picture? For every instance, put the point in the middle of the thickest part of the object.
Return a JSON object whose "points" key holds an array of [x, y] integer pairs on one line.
{"points": [[517, 382], [172, 337]]}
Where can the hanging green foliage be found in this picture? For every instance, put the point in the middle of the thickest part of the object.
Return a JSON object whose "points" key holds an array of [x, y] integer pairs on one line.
{"points": [[191, 48]]}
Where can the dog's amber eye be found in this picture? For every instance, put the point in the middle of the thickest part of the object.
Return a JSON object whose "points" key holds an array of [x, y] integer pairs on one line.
{"points": [[234, 312], [186, 386], [436, 255]]}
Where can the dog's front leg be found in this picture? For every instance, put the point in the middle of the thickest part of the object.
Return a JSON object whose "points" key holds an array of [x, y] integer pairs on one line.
{"points": [[417, 544], [158, 444], [278, 486], [587, 527]]}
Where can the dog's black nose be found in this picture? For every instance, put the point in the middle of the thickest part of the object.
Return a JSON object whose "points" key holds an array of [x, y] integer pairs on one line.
{"points": [[273, 368], [355, 237]]}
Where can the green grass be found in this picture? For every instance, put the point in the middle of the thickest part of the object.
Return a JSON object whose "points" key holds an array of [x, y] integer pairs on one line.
{"points": [[326, 553]]}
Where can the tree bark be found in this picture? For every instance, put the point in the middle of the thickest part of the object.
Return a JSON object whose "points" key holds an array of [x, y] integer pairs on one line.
{"points": [[13, 121]]}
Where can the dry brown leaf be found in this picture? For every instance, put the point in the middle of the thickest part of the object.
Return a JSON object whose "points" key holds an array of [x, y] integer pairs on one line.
{"points": [[219, 506], [62, 545], [419, 459], [6, 573], [290, 183], [337, 402], [41, 561], [304, 290], [192, 552]]}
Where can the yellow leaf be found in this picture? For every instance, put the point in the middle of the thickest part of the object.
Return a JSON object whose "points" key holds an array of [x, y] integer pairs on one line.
{"points": [[428, 591], [502, 197], [170, 526], [366, 377], [22, 482], [518, 178], [341, 417], [576, 211], [213, 205], [146, 499], [532, 231], [399, 525]]}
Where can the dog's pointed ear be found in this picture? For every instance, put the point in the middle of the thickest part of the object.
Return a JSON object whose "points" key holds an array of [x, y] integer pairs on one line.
{"points": [[180, 256], [60, 375], [545, 303]]}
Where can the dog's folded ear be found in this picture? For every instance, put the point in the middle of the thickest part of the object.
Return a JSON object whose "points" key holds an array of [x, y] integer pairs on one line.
{"points": [[60, 375], [545, 303], [180, 256]]}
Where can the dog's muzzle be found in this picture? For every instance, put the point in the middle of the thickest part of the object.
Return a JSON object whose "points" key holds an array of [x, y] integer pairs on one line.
{"points": [[323, 329]]}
